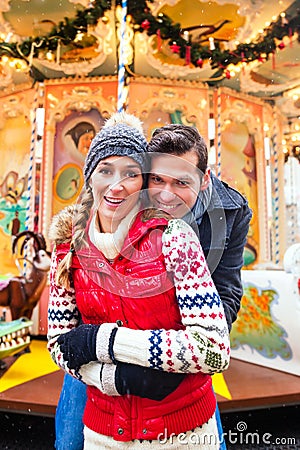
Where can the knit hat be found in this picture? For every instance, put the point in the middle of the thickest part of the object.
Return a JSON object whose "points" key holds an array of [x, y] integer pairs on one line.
{"points": [[121, 135]]}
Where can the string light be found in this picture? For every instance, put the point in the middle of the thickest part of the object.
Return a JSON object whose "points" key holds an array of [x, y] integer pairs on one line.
{"points": [[49, 55], [211, 43], [79, 36]]}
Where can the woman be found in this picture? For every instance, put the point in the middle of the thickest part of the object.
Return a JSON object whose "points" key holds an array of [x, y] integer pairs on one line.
{"points": [[82, 134], [154, 328]]}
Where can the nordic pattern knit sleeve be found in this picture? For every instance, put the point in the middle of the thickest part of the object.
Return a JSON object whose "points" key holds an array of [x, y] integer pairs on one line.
{"points": [[203, 346], [63, 316]]}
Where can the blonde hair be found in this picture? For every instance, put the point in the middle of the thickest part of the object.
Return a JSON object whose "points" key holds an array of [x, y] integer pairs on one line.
{"points": [[78, 241]]}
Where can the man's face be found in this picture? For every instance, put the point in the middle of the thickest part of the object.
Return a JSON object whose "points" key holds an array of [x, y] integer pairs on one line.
{"points": [[174, 183]]}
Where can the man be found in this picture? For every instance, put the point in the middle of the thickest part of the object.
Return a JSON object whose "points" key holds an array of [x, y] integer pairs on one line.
{"points": [[181, 184]]}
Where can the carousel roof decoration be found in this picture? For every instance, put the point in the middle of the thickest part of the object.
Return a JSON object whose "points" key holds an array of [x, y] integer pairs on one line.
{"points": [[194, 44]]}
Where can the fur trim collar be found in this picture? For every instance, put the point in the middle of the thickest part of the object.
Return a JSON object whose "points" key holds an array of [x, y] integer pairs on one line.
{"points": [[61, 227]]}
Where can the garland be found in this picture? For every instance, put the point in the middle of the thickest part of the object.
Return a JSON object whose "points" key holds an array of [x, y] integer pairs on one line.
{"points": [[165, 29]]}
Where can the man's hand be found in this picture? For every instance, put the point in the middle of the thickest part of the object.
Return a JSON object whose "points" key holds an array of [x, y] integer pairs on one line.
{"points": [[145, 382], [79, 345]]}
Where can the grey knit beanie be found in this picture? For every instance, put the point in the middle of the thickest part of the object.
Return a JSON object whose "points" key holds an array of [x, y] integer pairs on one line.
{"points": [[121, 135]]}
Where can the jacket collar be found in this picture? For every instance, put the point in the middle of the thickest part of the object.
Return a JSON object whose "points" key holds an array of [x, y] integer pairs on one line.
{"points": [[217, 197], [61, 229]]}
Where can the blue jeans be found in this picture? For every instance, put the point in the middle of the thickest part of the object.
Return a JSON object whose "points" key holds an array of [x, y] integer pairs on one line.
{"points": [[220, 429], [68, 417], [69, 412]]}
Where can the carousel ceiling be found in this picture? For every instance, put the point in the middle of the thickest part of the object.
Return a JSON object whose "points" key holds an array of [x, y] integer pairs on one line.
{"points": [[251, 46]]}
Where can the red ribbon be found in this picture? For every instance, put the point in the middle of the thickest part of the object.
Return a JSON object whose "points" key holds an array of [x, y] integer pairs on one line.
{"points": [[159, 40], [291, 37], [273, 61], [187, 55]]}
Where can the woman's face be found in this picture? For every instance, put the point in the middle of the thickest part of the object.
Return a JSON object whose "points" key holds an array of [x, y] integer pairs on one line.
{"points": [[116, 184], [84, 142]]}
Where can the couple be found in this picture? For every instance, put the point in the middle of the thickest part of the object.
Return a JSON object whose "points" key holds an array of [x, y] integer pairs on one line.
{"points": [[133, 310]]}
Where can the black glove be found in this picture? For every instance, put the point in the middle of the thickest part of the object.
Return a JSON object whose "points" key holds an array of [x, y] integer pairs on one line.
{"points": [[144, 382], [79, 345]]}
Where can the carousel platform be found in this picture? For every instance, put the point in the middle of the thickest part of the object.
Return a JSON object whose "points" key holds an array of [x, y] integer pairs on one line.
{"points": [[31, 383]]}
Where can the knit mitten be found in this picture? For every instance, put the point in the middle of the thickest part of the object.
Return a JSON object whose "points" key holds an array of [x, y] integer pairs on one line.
{"points": [[87, 343], [145, 382]]}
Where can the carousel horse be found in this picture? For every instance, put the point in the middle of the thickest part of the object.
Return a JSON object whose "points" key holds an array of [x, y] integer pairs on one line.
{"points": [[22, 293]]}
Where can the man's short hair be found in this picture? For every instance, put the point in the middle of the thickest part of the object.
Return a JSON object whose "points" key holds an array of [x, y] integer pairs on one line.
{"points": [[178, 139]]}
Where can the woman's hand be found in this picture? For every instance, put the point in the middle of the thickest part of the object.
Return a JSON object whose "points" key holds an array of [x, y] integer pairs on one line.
{"points": [[78, 346], [87, 343]]}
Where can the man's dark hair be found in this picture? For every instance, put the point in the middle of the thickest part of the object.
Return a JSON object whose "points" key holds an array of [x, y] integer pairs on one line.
{"points": [[178, 139]]}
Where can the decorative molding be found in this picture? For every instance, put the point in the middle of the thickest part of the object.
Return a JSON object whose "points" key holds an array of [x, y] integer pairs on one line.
{"points": [[242, 96], [14, 106], [12, 89], [6, 77], [169, 100], [5, 27], [82, 68], [167, 96], [81, 99], [82, 95], [288, 107], [104, 35], [81, 80], [170, 82], [247, 84]]}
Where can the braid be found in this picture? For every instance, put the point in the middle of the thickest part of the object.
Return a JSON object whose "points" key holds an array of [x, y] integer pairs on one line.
{"points": [[81, 218], [82, 214]]}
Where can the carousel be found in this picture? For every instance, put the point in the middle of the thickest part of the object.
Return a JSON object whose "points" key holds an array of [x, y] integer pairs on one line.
{"points": [[229, 69]]}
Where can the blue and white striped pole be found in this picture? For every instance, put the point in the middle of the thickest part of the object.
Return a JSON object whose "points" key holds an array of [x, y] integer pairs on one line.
{"points": [[219, 104], [31, 172], [121, 69], [31, 169], [276, 189]]}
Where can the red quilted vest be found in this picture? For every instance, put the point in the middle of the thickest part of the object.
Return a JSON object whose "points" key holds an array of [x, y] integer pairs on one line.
{"points": [[137, 290]]}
